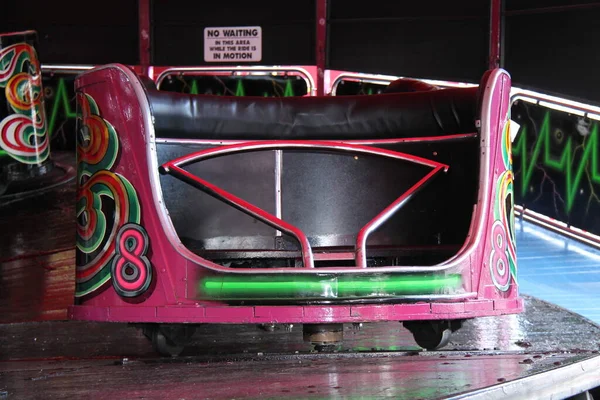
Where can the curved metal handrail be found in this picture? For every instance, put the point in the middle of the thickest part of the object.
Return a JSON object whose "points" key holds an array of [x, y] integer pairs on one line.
{"points": [[175, 168]]}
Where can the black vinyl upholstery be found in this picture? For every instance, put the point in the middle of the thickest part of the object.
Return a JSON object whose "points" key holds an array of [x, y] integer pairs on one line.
{"points": [[393, 115]]}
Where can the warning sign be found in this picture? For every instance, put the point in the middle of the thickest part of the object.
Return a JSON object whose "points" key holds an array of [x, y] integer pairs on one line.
{"points": [[233, 44]]}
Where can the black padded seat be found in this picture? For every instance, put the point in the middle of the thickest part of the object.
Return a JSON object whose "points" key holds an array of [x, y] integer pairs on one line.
{"points": [[382, 116]]}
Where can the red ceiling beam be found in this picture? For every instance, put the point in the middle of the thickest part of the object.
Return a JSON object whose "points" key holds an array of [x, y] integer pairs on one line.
{"points": [[144, 34], [495, 34], [321, 48]]}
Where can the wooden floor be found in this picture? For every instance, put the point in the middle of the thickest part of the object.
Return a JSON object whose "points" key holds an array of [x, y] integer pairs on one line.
{"points": [[44, 356], [37, 254]]}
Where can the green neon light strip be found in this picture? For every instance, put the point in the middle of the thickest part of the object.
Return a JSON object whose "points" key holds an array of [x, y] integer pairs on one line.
{"points": [[324, 287], [240, 91], [61, 98], [565, 162]]}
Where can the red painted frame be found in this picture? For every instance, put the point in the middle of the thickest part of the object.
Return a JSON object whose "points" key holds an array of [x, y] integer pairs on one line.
{"points": [[321, 47], [145, 35], [496, 19], [117, 90]]}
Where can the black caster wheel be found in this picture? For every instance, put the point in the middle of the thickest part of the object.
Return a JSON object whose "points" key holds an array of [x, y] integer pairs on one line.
{"points": [[169, 340], [164, 346], [324, 337], [275, 327], [267, 327], [3, 183], [432, 335], [327, 348]]}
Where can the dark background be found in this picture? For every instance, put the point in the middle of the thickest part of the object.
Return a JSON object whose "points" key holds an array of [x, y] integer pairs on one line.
{"points": [[549, 45], [76, 32]]}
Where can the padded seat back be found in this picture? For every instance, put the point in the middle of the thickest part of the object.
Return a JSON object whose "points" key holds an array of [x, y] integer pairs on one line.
{"points": [[382, 116]]}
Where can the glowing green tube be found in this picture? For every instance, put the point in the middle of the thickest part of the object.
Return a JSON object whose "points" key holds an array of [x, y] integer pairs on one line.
{"points": [[325, 286]]}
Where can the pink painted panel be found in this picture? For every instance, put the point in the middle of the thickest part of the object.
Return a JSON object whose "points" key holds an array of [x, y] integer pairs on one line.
{"points": [[481, 306], [133, 314], [182, 313], [326, 314], [411, 309], [447, 308], [394, 311], [230, 313], [299, 314], [507, 304], [496, 277], [281, 313], [88, 313], [175, 278]]}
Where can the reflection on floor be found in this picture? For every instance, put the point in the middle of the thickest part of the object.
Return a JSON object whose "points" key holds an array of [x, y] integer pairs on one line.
{"points": [[74, 359], [558, 269]]}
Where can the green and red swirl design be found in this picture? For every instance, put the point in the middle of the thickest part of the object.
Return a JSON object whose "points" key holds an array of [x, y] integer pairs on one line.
{"points": [[105, 200], [23, 134], [503, 257]]}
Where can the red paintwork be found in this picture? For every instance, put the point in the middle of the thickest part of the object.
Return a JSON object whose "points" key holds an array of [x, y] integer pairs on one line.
{"points": [[177, 271], [495, 33], [145, 31], [321, 47], [296, 314]]}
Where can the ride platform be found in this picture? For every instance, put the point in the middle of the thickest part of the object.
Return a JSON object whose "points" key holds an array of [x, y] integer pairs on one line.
{"points": [[544, 352]]}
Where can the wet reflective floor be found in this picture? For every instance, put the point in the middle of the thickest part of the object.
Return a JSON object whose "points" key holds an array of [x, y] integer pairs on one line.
{"points": [[66, 359], [558, 269], [47, 357], [37, 253], [421, 377], [541, 328]]}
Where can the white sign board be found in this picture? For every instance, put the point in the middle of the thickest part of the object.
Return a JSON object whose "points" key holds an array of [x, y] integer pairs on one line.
{"points": [[233, 44], [513, 129]]}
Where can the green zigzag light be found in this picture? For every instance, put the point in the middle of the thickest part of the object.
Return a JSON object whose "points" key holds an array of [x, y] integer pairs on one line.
{"points": [[61, 98], [563, 164], [240, 91], [62, 101]]}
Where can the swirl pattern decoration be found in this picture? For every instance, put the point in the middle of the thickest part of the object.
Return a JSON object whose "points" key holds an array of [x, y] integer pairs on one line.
{"points": [[503, 257], [23, 134], [106, 201]]}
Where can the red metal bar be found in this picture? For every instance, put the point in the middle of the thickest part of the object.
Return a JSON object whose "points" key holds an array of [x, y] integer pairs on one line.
{"points": [[174, 167], [248, 208], [297, 144], [442, 138], [321, 47], [371, 226], [495, 33], [144, 34], [558, 226]]}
